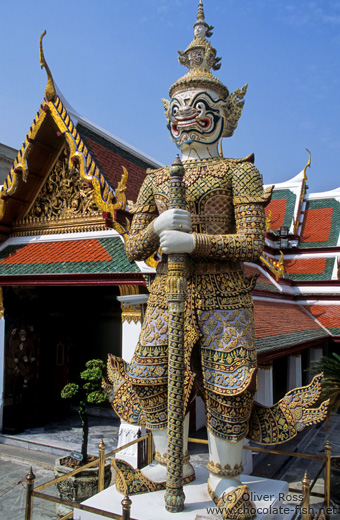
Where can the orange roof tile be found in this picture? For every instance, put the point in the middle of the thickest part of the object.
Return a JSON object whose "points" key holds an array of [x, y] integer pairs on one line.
{"points": [[327, 315], [317, 225], [278, 209], [273, 319], [305, 265], [56, 252]]}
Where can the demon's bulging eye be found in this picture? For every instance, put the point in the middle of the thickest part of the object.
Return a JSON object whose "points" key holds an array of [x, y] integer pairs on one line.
{"points": [[174, 110]]}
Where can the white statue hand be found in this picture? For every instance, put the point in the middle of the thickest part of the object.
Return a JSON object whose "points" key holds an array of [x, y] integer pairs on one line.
{"points": [[179, 219], [176, 242]]}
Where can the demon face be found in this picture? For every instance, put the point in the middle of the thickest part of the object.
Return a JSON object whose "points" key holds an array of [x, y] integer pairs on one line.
{"points": [[195, 116]]}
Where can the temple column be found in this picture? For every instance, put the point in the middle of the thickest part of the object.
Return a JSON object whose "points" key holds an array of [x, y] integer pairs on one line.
{"points": [[264, 394], [2, 358], [132, 304], [294, 376]]}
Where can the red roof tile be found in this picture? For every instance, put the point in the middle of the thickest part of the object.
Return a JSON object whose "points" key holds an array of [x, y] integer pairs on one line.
{"points": [[278, 209], [273, 319], [305, 266], [327, 315], [317, 225], [111, 166], [56, 252]]}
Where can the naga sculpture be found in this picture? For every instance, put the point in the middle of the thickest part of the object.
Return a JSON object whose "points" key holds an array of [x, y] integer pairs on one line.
{"points": [[222, 225]]}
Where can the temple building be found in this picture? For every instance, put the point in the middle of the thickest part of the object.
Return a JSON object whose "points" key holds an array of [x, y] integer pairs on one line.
{"points": [[70, 294], [297, 312], [63, 220], [7, 156]]}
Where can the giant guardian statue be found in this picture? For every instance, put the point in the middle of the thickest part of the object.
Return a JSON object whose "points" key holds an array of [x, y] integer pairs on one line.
{"points": [[222, 226]]}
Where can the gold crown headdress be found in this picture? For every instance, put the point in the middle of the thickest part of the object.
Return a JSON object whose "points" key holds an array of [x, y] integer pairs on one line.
{"points": [[200, 57]]}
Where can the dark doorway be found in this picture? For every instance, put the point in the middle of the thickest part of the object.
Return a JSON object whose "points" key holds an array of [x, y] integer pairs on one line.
{"points": [[50, 334]]}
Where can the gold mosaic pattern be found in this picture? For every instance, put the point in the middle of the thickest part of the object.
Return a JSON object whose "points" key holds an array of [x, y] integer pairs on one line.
{"points": [[226, 335], [131, 481], [282, 422], [226, 472], [235, 505], [227, 417], [236, 233]]}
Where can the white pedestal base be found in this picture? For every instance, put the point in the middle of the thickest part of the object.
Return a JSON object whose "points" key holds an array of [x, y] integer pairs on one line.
{"points": [[128, 433], [268, 496]]}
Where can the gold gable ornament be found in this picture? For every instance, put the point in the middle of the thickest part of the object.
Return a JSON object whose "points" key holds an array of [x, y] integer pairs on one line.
{"points": [[50, 92]]}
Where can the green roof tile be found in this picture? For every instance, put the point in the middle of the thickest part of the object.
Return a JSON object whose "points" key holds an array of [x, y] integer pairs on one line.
{"points": [[271, 343]]}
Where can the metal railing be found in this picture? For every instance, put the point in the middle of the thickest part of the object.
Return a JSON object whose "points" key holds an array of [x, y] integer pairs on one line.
{"points": [[302, 511], [32, 492]]}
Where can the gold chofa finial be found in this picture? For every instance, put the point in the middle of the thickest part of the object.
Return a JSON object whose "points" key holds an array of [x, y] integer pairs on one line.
{"points": [[50, 91], [200, 14], [307, 165]]}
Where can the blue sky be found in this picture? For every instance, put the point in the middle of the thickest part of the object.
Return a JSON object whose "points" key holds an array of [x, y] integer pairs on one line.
{"points": [[114, 60]]}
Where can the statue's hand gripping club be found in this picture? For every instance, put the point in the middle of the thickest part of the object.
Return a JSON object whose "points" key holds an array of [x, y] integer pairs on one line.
{"points": [[175, 219], [173, 227]]}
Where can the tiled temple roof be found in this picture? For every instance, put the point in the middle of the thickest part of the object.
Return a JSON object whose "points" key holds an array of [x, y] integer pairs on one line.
{"points": [[281, 325], [328, 315], [317, 268], [281, 207], [60, 257], [321, 223]]}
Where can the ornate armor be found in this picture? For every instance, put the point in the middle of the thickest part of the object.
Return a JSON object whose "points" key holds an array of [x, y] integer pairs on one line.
{"points": [[226, 201]]}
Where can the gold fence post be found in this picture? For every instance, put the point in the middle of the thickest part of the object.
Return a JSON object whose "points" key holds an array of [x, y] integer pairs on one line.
{"points": [[126, 506], [29, 494], [150, 447], [305, 500], [328, 452], [101, 466]]}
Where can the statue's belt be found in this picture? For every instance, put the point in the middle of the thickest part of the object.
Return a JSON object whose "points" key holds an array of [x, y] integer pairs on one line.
{"points": [[193, 268]]}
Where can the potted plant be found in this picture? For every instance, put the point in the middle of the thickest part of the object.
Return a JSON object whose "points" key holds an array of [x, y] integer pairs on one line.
{"points": [[85, 483], [330, 366]]}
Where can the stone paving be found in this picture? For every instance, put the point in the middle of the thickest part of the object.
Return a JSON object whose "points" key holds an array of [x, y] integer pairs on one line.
{"points": [[13, 491], [64, 435]]}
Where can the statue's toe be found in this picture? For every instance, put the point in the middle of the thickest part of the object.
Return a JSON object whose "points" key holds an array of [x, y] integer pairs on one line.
{"points": [[235, 505]]}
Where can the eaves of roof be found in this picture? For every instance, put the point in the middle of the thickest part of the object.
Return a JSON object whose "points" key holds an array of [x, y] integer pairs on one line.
{"points": [[281, 341]]}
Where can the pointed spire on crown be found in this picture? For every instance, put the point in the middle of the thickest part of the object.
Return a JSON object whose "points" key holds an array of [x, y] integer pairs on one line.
{"points": [[200, 57], [200, 14]]}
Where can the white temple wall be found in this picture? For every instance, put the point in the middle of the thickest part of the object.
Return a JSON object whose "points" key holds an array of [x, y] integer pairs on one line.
{"points": [[130, 335], [132, 317]]}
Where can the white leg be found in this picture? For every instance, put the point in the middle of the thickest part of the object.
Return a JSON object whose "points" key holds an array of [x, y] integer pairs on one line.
{"points": [[228, 455], [157, 472]]}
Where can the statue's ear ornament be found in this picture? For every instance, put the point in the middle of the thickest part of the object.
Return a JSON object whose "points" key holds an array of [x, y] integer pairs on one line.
{"points": [[209, 31], [233, 110], [166, 105]]}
